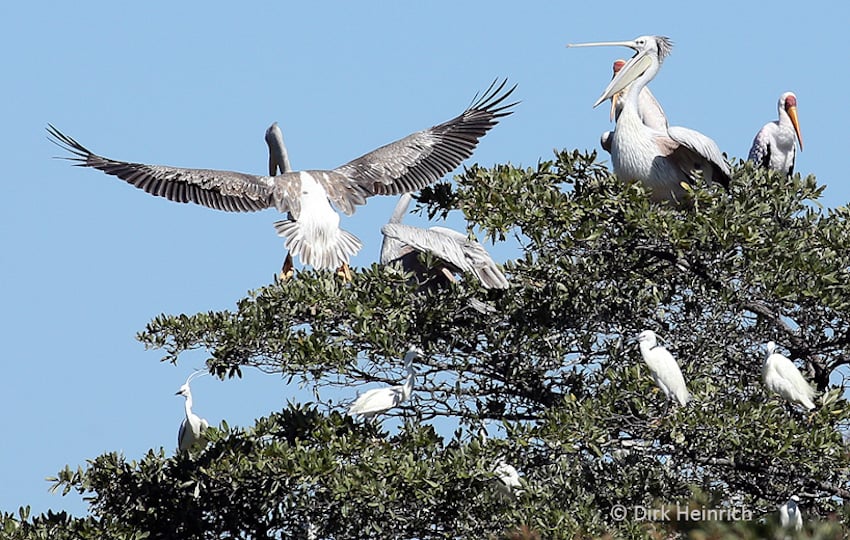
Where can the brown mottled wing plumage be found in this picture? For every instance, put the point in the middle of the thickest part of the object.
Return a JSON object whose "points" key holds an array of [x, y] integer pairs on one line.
{"points": [[221, 190], [422, 158]]}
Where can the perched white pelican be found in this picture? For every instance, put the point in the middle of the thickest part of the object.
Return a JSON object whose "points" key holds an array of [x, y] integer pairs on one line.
{"points": [[663, 160], [651, 113], [775, 146], [191, 432], [312, 230], [665, 371], [782, 377], [403, 243], [790, 515], [379, 400]]}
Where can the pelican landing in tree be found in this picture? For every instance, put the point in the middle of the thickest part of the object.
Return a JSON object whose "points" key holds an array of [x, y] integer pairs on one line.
{"points": [[775, 146], [312, 228], [403, 243], [664, 160]]}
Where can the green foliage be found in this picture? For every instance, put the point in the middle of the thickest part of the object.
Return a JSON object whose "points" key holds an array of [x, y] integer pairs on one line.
{"points": [[553, 364]]}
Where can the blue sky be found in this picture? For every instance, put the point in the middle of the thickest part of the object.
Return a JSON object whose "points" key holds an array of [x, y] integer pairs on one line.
{"points": [[89, 260]]}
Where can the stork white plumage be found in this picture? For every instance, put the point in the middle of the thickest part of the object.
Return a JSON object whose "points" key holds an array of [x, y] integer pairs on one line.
{"points": [[661, 159], [403, 243], [782, 377], [191, 432], [312, 229], [379, 400], [775, 145], [665, 371], [790, 515], [650, 111]]}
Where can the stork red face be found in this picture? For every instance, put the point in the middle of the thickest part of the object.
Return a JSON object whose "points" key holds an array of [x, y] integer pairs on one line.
{"points": [[790, 105]]}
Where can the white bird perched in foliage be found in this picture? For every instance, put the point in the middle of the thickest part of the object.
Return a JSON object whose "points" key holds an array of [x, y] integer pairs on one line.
{"points": [[312, 229], [506, 473], [192, 427], [403, 243], [661, 159], [665, 371], [782, 377], [381, 400], [775, 145], [790, 515]]}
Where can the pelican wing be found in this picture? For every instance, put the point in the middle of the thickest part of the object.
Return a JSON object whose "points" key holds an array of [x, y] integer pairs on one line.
{"points": [[452, 247], [221, 190], [704, 153], [422, 158]]}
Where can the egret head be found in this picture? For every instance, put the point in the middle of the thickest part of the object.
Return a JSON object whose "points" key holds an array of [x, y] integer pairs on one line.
{"points": [[648, 337], [771, 347], [184, 391]]}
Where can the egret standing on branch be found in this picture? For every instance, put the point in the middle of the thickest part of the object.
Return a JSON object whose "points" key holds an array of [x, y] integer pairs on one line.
{"points": [[312, 230], [192, 427], [775, 145], [665, 371], [782, 377], [380, 400], [664, 160], [790, 515], [403, 243]]}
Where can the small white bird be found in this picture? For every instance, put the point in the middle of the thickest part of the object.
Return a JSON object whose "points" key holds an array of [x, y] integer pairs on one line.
{"points": [[782, 377], [381, 400], [505, 472], [665, 371], [193, 426], [775, 147], [790, 515]]}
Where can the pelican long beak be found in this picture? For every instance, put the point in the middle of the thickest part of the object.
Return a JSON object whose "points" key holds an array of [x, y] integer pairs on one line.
{"points": [[630, 44], [792, 113], [633, 69]]}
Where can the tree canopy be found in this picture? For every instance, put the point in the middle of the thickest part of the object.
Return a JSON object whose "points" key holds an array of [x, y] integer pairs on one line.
{"points": [[553, 365]]}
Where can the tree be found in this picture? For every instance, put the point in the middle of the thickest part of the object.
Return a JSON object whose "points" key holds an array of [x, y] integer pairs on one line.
{"points": [[599, 450]]}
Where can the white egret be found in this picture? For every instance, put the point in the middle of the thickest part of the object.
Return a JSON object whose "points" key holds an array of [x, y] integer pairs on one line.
{"points": [[665, 371], [312, 230], [790, 514], [775, 145], [403, 243], [782, 377], [505, 473], [661, 159], [191, 432], [379, 400]]}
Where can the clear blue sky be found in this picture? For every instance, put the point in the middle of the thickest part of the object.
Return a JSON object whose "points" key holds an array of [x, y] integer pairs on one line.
{"points": [[88, 260]]}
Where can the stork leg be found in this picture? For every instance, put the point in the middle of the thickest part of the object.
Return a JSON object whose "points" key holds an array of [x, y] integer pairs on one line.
{"points": [[345, 272], [288, 268]]}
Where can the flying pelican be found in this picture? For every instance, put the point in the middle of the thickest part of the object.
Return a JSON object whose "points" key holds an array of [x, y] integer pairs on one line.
{"points": [[663, 160], [782, 377], [403, 243], [774, 147], [193, 426], [312, 230], [790, 515], [380, 400], [651, 113], [665, 371]]}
